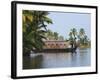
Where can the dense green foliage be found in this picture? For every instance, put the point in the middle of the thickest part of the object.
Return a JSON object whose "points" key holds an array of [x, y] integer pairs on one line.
{"points": [[83, 37], [73, 35], [34, 27], [50, 35], [80, 36]]}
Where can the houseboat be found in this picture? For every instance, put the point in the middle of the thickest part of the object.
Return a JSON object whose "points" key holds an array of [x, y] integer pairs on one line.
{"points": [[58, 46]]}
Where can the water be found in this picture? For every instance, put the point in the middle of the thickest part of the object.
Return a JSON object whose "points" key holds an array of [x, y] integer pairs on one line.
{"points": [[82, 57]]}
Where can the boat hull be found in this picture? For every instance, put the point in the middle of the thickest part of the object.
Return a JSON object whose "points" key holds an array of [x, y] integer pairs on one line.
{"points": [[55, 50]]}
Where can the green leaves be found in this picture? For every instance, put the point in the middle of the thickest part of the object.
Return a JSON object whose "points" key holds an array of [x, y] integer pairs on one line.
{"points": [[56, 35], [48, 20], [81, 32], [73, 35], [81, 35], [33, 32], [74, 32], [53, 35]]}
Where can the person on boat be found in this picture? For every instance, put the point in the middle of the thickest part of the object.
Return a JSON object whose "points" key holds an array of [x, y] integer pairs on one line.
{"points": [[75, 44], [71, 43]]}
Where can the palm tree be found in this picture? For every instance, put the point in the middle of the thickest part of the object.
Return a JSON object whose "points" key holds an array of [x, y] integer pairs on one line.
{"points": [[74, 32], [72, 37], [82, 32], [81, 35], [27, 17], [86, 40], [39, 18], [33, 32]]}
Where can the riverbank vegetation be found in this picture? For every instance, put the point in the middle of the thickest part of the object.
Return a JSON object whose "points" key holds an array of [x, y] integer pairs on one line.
{"points": [[34, 27]]}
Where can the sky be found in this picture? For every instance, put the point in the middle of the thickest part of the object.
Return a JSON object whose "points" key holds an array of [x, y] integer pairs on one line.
{"points": [[63, 22]]}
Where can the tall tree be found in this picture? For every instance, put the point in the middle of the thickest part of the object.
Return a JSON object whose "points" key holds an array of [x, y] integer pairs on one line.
{"points": [[81, 35], [70, 36], [33, 32], [73, 37], [82, 32], [74, 32], [86, 40]]}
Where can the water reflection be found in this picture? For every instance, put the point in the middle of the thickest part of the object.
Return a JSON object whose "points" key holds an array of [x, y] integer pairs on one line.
{"points": [[82, 57], [32, 62]]}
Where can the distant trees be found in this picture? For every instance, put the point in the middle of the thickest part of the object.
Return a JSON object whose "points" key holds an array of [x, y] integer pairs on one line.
{"points": [[50, 35], [80, 36], [73, 37], [61, 38], [34, 27], [55, 35], [83, 37], [74, 32]]}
